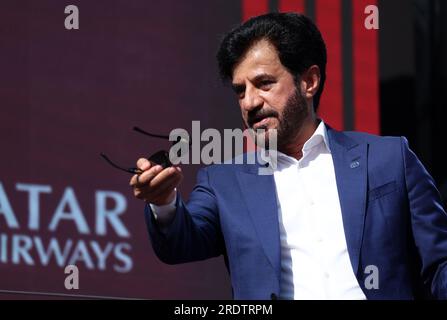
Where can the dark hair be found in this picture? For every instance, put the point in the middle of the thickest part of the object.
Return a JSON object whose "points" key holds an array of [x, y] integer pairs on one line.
{"points": [[296, 38]]}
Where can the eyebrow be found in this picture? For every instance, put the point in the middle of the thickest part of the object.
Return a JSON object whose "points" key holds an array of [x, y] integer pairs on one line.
{"points": [[262, 76]]}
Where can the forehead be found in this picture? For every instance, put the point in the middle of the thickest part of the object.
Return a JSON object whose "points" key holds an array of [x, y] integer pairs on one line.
{"points": [[261, 58]]}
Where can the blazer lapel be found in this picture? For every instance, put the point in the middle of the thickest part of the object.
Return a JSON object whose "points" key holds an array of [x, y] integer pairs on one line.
{"points": [[350, 163], [259, 193]]}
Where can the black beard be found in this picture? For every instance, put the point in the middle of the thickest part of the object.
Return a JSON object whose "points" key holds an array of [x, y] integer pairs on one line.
{"points": [[291, 120]]}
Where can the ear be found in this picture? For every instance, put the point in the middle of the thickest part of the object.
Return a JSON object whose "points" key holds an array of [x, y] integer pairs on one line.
{"points": [[310, 81]]}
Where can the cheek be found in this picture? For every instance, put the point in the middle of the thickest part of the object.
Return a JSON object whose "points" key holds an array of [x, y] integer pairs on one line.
{"points": [[282, 96], [276, 100]]}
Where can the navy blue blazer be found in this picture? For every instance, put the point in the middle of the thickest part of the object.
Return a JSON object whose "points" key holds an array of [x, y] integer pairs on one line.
{"points": [[392, 217]]}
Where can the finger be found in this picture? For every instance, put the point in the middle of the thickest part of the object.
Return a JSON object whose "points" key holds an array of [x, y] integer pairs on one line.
{"points": [[167, 187], [162, 179], [143, 164], [138, 193], [150, 194], [142, 194], [145, 177], [134, 180], [157, 185], [148, 175], [152, 191], [163, 175]]}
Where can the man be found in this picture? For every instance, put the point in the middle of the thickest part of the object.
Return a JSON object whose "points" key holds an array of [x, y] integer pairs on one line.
{"points": [[344, 215]]}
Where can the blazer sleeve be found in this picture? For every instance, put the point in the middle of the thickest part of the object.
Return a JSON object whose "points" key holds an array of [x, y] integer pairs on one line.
{"points": [[195, 232], [428, 221]]}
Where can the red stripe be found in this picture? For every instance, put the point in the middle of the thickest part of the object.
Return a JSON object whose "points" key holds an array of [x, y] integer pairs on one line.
{"points": [[328, 19], [366, 75], [291, 6], [252, 8]]}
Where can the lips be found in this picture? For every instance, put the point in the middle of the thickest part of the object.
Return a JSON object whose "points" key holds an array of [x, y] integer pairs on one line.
{"points": [[260, 118], [261, 122]]}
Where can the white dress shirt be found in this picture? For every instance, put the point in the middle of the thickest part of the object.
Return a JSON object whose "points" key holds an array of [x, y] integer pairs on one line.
{"points": [[315, 263]]}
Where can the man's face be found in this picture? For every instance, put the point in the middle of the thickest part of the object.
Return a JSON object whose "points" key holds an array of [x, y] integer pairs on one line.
{"points": [[268, 95]]}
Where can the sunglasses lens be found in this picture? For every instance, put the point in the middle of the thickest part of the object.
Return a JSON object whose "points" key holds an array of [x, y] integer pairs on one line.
{"points": [[161, 158]]}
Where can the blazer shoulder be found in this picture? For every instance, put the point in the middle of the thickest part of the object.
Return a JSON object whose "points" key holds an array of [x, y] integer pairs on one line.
{"points": [[373, 139]]}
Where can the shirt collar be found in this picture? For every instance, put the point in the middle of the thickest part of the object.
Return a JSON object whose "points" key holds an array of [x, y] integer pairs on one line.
{"points": [[319, 136]]}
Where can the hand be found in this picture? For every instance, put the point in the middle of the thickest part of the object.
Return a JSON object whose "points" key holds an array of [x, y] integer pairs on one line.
{"points": [[155, 185]]}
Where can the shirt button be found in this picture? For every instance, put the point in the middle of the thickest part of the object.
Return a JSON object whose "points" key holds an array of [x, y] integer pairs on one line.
{"points": [[319, 239], [326, 275]]}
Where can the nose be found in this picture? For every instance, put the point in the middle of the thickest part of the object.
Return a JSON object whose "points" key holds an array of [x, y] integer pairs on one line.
{"points": [[252, 100]]}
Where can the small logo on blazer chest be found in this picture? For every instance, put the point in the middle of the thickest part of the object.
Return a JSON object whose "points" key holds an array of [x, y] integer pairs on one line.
{"points": [[354, 164]]}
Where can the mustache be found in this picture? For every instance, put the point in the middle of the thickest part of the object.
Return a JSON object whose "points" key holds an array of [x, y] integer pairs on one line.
{"points": [[257, 115]]}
